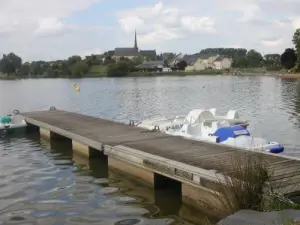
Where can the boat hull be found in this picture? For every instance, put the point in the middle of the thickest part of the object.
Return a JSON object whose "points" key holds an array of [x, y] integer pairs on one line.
{"points": [[243, 141], [12, 127], [205, 125], [13, 122]]}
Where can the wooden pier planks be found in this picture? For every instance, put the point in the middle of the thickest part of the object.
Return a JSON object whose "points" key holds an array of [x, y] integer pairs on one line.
{"points": [[199, 154]]}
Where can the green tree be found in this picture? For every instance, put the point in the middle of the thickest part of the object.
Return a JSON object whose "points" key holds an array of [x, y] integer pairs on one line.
{"points": [[73, 59], [120, 69], [93, 60], [79, 69], [288, 58], [240, 62], [25, 69], [254, 58], [272, 61], [52, 72], [181, 65], [296, 41], [109, 60], [38, 68], [15, 60], [7, 66], [64, 68]]}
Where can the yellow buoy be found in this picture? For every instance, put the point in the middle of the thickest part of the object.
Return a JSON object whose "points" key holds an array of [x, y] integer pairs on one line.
{"points": [[77, 88], [74, 85]]}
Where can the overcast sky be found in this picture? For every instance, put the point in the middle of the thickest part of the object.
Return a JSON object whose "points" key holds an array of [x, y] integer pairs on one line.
{"points": [[56, 29]]}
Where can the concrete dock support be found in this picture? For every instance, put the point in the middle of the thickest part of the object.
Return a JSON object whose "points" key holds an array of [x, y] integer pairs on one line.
{"points": [[98, 166], [78, 148], [44, 133], [86, 151], [143, 176], [202, 198], [49, 135]]}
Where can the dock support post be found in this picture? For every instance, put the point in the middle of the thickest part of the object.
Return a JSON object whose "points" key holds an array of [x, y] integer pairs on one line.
{"points": [[55, 140], [144, 176], [86, 151], [98, 166], [203, 199], [44, 133], [162, 182], [49, 135], [30, 128]]}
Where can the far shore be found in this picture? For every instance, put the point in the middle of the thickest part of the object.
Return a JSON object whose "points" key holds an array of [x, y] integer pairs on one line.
{"points": [[157, 74], [289, 75]]}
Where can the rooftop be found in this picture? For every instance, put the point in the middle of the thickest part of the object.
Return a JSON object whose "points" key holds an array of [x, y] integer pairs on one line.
{"points": [[126, 52]]}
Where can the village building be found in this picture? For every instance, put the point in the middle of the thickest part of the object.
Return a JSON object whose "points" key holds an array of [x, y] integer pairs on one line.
{"points": [[133, 52], [216, 62]]}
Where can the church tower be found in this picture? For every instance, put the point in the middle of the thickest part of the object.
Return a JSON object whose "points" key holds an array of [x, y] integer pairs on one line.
{"points": [[135, 40]]}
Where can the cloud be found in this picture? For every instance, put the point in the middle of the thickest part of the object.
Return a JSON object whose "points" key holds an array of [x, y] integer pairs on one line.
{"points": [[272, 42], [42, 29], [49, 27], [131, 23], [296, 22], [199, 24], [96, 51], [160, 23]]}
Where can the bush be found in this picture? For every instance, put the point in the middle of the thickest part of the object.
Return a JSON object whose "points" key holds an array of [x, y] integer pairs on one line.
{"points": [[248, 186], [79, 68], [119, 69], [244, 186]]}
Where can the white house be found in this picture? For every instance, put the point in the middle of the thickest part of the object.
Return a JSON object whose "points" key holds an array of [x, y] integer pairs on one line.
{"points": [[198, 65], [213, 62], [222, 63]]}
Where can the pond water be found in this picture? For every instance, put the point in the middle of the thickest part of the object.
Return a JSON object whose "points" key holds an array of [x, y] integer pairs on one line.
{"points": [[44, 185]]}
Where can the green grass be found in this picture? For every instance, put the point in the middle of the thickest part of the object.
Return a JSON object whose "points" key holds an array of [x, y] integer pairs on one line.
{"points": [[6, 77], [196, 73], [248, 185], [98, 69], [173, 73]]}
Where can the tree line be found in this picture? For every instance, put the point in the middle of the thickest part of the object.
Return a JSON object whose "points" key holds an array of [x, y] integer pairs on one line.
{"points": [[290, 58], [76, 66], [243, 58]]}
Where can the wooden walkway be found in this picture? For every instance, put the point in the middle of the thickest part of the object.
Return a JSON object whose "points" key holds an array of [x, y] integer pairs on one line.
{"points": [[286, 171]]}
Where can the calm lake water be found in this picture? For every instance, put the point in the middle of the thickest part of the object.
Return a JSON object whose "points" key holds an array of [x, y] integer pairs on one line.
{"points": [[43, 184]]}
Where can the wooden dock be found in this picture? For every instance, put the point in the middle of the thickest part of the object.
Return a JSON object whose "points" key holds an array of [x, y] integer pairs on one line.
{"points": [[151, 156]]}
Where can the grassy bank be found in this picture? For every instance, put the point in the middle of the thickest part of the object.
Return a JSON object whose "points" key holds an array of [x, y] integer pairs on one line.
{"points": [[255, 71], [250, 185], [290, 75], [101, 71], [6, 77]]}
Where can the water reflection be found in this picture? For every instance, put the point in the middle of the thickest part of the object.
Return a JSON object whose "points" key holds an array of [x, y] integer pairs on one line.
{"points": [[43, 182], [291, 99], [270, 104], [36, 166]]}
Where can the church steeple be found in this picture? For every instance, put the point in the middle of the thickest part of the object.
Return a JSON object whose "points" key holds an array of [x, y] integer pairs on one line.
{"points": [[135, 40]]}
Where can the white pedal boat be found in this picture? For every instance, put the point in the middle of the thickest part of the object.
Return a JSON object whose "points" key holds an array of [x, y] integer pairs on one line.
{"points": [[195, 116], [205, 125], [12, 121]]}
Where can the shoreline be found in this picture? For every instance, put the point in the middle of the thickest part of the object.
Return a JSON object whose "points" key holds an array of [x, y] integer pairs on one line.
{"points": [[158, 74], [289, 75]]}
